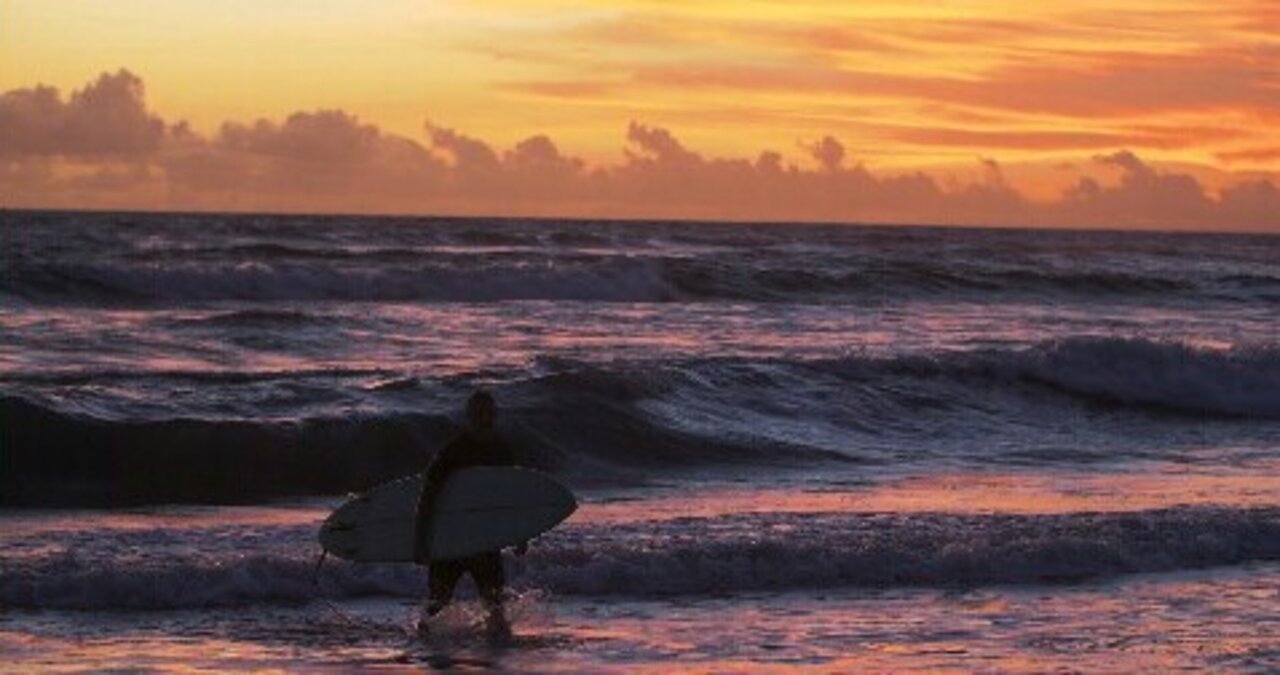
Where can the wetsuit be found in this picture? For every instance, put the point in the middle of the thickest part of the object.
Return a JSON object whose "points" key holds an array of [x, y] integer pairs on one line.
{"points": [[466, 449]]}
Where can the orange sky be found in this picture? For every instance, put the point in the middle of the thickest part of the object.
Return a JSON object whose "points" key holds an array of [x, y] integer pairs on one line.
{"points": [[1031, 104]]}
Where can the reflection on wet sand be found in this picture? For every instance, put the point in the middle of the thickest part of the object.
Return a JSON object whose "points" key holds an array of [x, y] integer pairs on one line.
{"points": [[1201, 620]]}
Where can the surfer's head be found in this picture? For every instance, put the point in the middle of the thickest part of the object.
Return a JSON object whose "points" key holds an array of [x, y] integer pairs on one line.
{"points": [[482, 410]]}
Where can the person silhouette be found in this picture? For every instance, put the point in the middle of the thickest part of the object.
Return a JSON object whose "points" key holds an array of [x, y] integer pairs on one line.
{"points": [[478, 444]]}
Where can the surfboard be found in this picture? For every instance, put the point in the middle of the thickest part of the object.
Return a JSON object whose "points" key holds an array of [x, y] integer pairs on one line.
{"points": [[480, 508]]}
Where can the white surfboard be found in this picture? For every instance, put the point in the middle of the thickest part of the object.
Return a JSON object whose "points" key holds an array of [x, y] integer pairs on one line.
{"points": [[480, 508]]}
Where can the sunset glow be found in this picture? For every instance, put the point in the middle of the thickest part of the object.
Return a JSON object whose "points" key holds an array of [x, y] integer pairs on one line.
{"points": [[1021, 113]]}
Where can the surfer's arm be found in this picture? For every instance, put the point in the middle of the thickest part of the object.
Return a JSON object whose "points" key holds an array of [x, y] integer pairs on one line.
{"points": [[422, 523], [440, 469]]}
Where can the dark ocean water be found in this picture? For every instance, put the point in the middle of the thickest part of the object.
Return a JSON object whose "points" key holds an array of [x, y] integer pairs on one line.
{"points": [[153, 357], [825, 406]]}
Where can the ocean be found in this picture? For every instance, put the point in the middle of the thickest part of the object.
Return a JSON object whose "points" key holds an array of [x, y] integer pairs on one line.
{"points": [[821, 447]]}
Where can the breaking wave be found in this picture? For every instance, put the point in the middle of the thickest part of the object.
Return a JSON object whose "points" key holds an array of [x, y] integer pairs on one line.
{"points": [[617, 419], [694, 556]]}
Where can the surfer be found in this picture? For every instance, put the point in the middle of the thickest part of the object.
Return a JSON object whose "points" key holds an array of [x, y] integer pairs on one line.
{"points": [[478, 444]]}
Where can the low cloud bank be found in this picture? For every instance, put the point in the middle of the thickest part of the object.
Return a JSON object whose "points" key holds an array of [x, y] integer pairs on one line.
{"points": [[100, 147]]}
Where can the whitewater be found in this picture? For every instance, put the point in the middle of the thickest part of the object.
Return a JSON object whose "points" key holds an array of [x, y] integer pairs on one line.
{"points": [[815, 446]]}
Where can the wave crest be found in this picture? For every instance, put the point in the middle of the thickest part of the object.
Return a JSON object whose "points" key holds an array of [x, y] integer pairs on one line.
{"points": [[1241, 382], [744, 553], [611, 421]]}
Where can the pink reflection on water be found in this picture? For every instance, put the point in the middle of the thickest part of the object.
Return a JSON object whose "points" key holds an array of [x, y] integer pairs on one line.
{"points": [[962, 493], [18, 524], [970, 493], [1203, 620]]}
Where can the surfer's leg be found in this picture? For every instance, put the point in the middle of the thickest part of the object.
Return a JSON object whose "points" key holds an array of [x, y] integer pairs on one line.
{"points": [[491, 579], [443, 577]]}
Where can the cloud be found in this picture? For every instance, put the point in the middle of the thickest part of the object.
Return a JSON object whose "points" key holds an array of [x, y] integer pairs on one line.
{"points": [[122, 156], [919, 82], [829, 153], [1090, 62], [1144, 196], [469, 155], [108, 117], [1254, 202], [566, 89], [321, 160], [325, 135], [536, 171], [1118, 84], [1261, 154], [1035, 140]]}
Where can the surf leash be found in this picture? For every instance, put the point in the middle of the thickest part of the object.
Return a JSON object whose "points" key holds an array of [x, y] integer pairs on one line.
{"points": [[315, 581], [315, 575]]}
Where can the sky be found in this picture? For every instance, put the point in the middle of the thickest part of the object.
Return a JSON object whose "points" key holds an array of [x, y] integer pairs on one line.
{"points": [[1086, 113]]}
